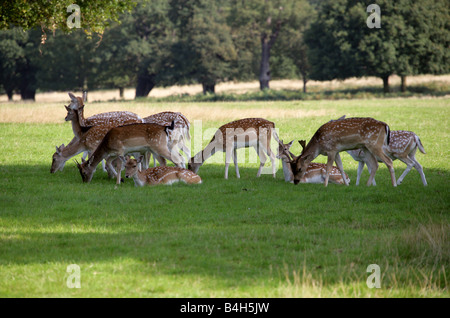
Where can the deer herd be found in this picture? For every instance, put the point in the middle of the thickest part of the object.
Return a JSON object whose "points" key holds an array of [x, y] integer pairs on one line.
{"points": [[114, 138]]}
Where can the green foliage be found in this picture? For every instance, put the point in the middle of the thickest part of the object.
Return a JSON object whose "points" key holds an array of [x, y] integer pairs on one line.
{"points": [[413, 39], [205, 49], [52, 14]]}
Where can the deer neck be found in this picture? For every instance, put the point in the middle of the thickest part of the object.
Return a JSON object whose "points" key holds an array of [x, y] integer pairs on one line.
{"points": [[311, 151], [139, 178], [287, 171], [98, 155], [81, 119], [205, 154], [72, 149]]}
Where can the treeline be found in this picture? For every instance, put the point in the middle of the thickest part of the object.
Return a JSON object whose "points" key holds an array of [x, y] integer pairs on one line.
{"points": [[161, 43]]}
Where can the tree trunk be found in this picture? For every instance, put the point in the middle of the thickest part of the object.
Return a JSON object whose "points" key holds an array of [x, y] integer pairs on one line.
{"points": [[209, 88], [27, 91], [264, 72], [121, 90], [10, 93], [386, 84], [266, 44], [145, 84], [305, 79], [403, 83]]}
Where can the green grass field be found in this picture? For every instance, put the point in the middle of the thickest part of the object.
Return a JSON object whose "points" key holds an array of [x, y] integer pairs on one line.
{"points": [[248, 237]]}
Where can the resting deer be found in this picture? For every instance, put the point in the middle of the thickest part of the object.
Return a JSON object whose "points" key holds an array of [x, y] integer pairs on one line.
{"points": [[316, 172], [180, 133], [243, 133], [157, 175], [112, 119], [346, 134], [403, 146], [122, 140]]}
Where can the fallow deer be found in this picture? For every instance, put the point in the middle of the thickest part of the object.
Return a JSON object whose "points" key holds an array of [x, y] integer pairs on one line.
{"points": [[316, 172], [113, 119], [88, 142], [132, 138], [346, 134], [403, 146], [180, 133], [242, 133], [157, 175]]}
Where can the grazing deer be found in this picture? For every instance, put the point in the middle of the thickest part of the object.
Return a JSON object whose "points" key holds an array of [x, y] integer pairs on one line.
{"points": [[130, 138], [157, 175], [346, 134], [88, 142], [316, 172], [180, 133], [242, 133], [112, 119], [403, 146]]}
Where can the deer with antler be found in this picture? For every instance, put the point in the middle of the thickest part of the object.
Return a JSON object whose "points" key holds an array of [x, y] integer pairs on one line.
{"points": [[157, 175], [242, 133], [346, 134], [316, 172], [132, 138]]}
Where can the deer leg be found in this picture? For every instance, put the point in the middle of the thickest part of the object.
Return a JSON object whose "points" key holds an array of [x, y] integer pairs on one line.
{"points": [[272, 157], [372, 166], [387, 161], [331, 158], [341, 168], [360, 170], [419, 168], [236, 163], [262, 159], [369, 168], [228, 154], [118, 170]]}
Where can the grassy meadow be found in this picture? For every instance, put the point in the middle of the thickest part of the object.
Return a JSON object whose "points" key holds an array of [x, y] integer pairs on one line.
{"points": [[248, 237]]}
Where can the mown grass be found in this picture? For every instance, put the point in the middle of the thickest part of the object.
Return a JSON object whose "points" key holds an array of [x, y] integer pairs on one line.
{"points": [[227, 238]]}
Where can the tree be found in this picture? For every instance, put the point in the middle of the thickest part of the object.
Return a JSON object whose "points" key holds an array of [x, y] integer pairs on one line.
{"points": [[413, 38], [19, 62], [291, 45], [205, 50], [53, 14], [268, 20], [69, 62]]}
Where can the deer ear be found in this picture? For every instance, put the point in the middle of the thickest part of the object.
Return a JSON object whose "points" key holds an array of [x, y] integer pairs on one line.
{"points": [[67, 107], [302, 143], [72, 97], [139, 159], [290, 143]]}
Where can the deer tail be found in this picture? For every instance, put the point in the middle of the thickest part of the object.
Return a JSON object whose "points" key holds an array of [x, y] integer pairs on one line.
{"points": [[419, 144]]}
